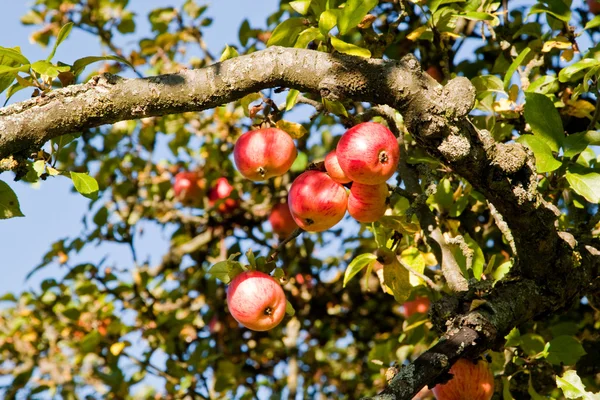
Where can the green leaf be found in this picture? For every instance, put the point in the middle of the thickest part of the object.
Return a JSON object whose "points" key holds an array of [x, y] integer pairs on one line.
{"points": [[578, 142], [291, 99], [544, 159], [357, 265], [397, 278], [229, 52], [286, 33], [85, 184], [301, 6], [300, 163], [294, 129], [9, 203], [335, 107], [251, 258], [572, 387], [62, 35], [415, 260], [307, 36], [327, 20], [565, 350], [80, 64], [46, 68], [486, 83], [544, 119], [348, 48], [567, 73], [532, 344], [435, 4], [594, 23], [585, 184], [477, 16], [545, 84], [5, 69], [513, 67], [557, 8], [289, 309], [353, 13], [513, 339], [8, 55]]}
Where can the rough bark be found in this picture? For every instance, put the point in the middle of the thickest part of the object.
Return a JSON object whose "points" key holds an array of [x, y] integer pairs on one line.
{"points": [[434, 115]]}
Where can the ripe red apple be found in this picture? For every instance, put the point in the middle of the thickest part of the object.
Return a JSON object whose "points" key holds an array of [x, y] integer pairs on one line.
{"points": [[435, 73], [281, 220], [334, 170], [221, 191], [316, 201], [594, 6], [264, 153], [419, 305], [368, 153], [472, 381], [366, 203], [256, 300], [188, 187]]}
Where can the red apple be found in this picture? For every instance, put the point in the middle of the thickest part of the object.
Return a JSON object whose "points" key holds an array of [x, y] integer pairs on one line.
{"points": [[264, 153], [368, 153], [472, 381], [419, 305], [281, 220], [366, 203], [594, 6], [221, 191], [256, 300], [316, 201], [334, 170], [435, 73], [188, 187]]}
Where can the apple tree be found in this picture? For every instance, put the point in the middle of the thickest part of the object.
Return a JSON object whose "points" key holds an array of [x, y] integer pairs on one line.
{"points": [[487, 246]]}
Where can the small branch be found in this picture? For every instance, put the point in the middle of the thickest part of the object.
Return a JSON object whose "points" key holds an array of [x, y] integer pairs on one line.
{"points": [[503, 226], [282, 244], [464, 248], [419, 275], [450, 268]]}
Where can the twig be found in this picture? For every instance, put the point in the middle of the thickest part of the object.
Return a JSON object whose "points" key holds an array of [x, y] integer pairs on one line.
{"points": [[503, 226], [450, 268], [464, 248], [285, 241], [596, 116], [419, 275]]}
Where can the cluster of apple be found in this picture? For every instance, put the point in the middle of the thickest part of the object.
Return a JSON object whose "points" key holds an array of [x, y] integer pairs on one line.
{"points": [[189, 188], [367, 155]]}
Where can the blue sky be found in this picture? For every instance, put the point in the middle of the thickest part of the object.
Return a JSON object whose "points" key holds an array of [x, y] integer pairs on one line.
{"points": [[52, 210]]}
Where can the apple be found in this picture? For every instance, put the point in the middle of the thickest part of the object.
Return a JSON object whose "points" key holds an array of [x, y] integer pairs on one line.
{"points": [[419, 305], [472, 381], [334, 170], [435, 73], [366, 203], [188, 187], [316, 201], [264, 153], [368, 153], [221, 191], [594, 6], [256, 300], [281, 220]]}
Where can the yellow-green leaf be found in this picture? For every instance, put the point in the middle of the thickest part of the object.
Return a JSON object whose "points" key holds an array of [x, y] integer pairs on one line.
{"points": [[85, 184], [9, 204], [397, 278], [294, 129], [348, 48]]}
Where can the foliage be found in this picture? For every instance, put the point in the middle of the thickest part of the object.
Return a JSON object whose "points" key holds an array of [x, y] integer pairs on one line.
{"points": [[103, 329]]}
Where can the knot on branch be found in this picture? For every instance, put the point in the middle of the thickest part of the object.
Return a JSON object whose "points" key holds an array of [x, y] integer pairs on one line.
{"points": [[455, 147], [458, 97], [509, 157]]}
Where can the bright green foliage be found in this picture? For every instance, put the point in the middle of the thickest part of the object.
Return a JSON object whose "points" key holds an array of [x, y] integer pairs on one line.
{"points": [[104, 326]]}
